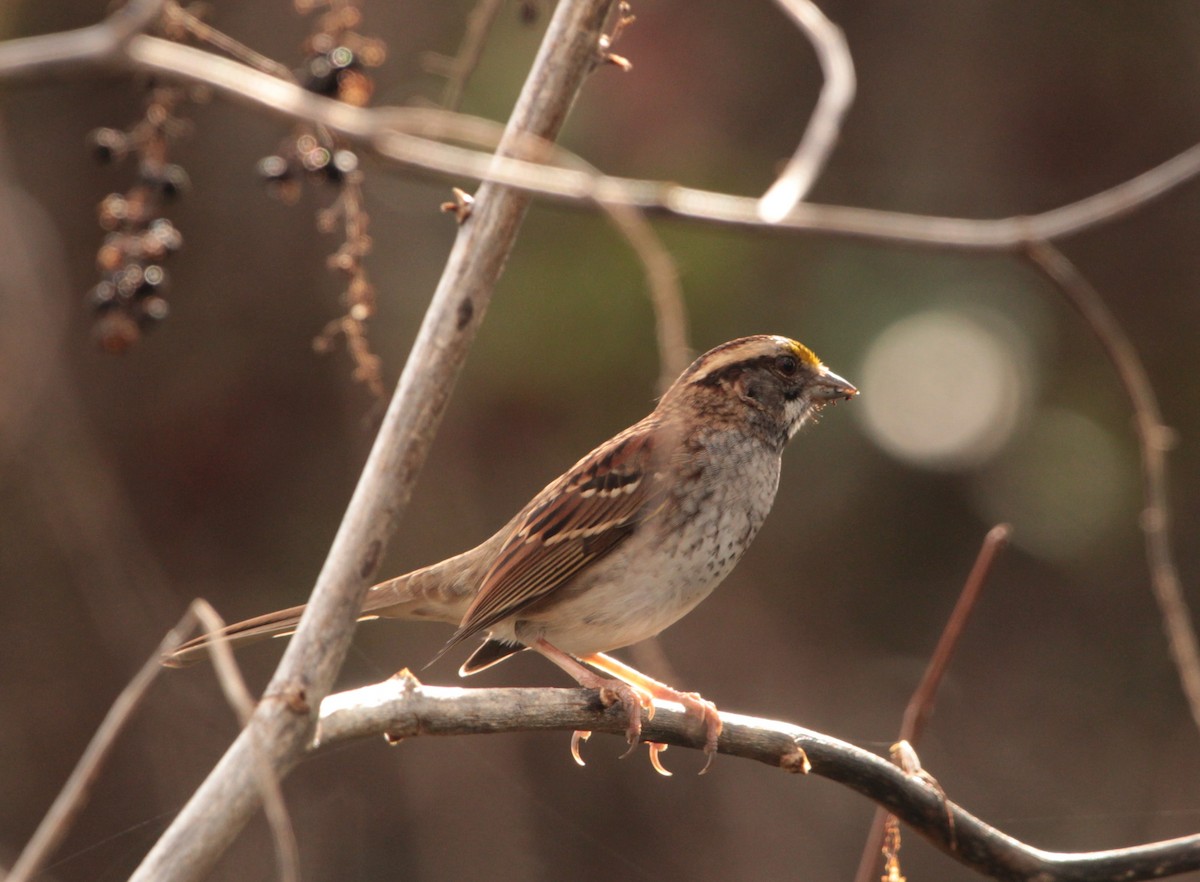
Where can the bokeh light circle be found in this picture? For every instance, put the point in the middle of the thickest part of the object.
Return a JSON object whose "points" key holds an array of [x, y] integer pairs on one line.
{"points": [[943, 390], [1062, 485]]}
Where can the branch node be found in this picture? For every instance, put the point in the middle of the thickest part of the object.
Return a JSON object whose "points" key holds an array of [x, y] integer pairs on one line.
{"points": [[407, 680], [293, 696], [460, 206], [796, 762], [408, 685], [906, 758], [624, 19], [618, 61]]}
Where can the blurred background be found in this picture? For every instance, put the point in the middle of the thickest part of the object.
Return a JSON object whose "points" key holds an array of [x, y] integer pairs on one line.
{"points": [[215, 458]]}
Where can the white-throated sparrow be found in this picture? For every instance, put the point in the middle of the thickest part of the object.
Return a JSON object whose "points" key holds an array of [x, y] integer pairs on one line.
{"points": [[628, 540]]}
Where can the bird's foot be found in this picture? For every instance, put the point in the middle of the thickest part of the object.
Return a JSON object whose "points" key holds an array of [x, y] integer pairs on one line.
{"points": [[632, 700], [632, 696], [693, 703], [698, 706]]}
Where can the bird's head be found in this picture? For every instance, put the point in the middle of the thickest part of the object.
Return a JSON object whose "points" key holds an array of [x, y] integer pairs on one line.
{"points": [[774, 383]]}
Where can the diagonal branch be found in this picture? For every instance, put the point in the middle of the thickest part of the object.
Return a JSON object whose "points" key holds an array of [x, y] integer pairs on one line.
{"points": [[412, 138], [285, 718], [662, 277], [402, 708]]}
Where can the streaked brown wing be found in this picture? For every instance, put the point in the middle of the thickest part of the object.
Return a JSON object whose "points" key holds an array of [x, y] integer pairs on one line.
{"points": [[579, 518]]}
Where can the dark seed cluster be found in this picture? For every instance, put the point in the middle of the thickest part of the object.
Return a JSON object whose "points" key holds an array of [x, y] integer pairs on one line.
{"points": [[335, 71], [129, 298], [304, 155], [335, 63]]}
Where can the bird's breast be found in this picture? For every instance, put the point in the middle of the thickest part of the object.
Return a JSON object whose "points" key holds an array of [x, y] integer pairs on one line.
{"points": [[671, 562]]}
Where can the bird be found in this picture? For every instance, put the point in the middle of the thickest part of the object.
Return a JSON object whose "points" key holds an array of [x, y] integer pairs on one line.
{"points": [[625, 542]]}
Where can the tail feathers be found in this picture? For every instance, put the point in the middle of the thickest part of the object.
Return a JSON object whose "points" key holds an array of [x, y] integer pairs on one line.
{"points": [[423, 594], [490, 652], [275, 624]]}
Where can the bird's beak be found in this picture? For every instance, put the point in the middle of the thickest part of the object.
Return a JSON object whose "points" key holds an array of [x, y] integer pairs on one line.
{"points": [[830, 387]]}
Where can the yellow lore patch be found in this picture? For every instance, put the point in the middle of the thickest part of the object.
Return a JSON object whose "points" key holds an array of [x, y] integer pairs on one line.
{"points": [[801, 351]]}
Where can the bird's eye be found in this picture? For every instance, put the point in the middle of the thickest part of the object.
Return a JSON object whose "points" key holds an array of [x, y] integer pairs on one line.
{"points": [[787, 365]]}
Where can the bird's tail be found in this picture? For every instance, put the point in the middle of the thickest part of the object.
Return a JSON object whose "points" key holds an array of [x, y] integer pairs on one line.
{"points": [[274, 624], [441, 592]]}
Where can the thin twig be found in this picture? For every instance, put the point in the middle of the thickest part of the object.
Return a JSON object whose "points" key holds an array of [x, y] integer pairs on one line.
{"points": [[920, 705], [405, 136], [662, 277], [402, 708], [458, 70], [1154, 440], [825, 124], [662, 284], [74, 794], [662, 281], [359, 295], [204, 32], [233, 685], [285, 719]]}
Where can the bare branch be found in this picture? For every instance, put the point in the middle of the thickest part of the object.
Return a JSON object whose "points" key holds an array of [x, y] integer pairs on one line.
{"points": [[1154, 439], [662, 280], [837, 94], [402, 708], [99, 44], [405, 136], [457, 70], [920, 706], [412, 139], [74, 794], [662, 283], [285, 718]]}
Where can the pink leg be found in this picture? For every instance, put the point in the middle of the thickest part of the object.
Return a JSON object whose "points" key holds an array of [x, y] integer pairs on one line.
{"points": [[632, 699]]}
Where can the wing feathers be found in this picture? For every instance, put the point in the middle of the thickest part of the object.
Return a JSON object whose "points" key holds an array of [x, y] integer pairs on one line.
{"points": [[578, 519]]}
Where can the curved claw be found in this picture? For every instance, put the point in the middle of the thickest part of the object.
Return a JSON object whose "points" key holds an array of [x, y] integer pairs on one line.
{"points": [[655, 750], [693, 703], [634, 701], [578, 737]]}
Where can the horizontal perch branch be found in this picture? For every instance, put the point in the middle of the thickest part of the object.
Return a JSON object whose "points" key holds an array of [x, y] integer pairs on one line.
{"points": [[404, 708]]}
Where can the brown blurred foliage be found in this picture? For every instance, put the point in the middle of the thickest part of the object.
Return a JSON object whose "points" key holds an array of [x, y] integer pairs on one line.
{"points": [[216, 457]]}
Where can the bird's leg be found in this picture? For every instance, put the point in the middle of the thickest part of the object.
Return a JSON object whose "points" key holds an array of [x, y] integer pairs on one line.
{"points": [[632, 698], [692, 702]]}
